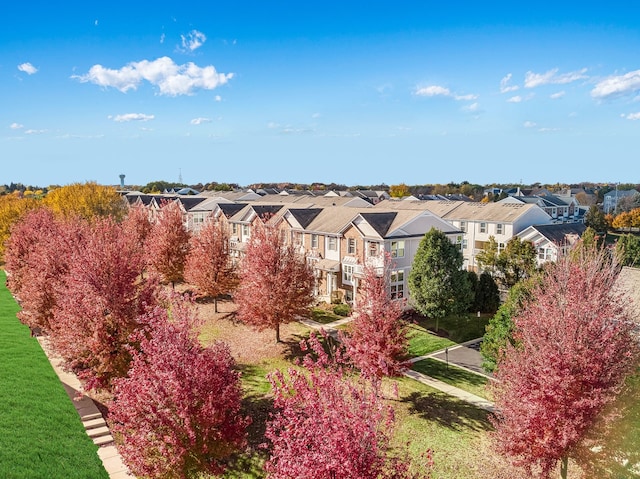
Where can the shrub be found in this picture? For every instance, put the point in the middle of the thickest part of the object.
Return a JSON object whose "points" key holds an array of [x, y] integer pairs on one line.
{"points": [[342, 309]]}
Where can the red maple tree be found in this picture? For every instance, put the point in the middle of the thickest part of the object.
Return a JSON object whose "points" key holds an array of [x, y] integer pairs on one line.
{"points": [[377, 340], [276, 284], [209, 267], [575, 347], [330, 424], [177, 413], [167, 244], [38, 258], [98, 304]]}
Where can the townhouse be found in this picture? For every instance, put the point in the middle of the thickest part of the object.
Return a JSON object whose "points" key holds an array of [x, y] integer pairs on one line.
{"points": [[552, 241]]}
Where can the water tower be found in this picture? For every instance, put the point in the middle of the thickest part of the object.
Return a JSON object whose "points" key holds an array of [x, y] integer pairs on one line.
{"points": [[122, 181]]}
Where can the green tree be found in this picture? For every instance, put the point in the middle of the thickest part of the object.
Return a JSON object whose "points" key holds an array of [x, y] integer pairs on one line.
{"points": [[487, 297], [517, 261], [628, 250], [594, 218], [438, 285], [86, 200], [487, 259]]}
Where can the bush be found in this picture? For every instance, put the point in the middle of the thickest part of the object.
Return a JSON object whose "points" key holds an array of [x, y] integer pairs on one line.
{"points": [[341, 309]]}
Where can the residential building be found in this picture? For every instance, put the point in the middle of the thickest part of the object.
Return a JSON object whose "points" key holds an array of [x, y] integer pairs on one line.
{"points": [[552, 241]]}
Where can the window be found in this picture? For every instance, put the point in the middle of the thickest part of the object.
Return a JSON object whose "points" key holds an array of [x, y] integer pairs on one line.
{"points": [[245, 231], [396, 281], [463, 226], [332, 243], [499, 228], [347, 273], [297, 238], [501, 247], [397, 249], [314, 241], [373, 249], [541, 253], [234, 229], [351, 246], [483, 227], [464, 244]]}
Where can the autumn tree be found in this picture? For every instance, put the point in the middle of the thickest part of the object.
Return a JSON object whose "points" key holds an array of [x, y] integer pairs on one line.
{"points": [[575, 347], [329, 424], [167, 244], [38, 258], [377, 341], [99, 302], [276, 283], [438, 285], [209, 267], [177, 413], [12, 208], [86, 200], [399, 191]]}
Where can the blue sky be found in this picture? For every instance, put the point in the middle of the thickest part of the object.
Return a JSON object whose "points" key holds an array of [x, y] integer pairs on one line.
{"points": [[347, 92]]}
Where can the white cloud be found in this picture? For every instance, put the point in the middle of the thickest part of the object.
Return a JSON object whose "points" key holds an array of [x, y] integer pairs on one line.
{"points": [[217, 98], [530, 124], [170, 78], [16, 126], [162, 37], [433, 90], [504, 84], [436, 90], [472, 108], [193, 40], [200, 121], [617, 85], [273, 124], [131, 117], [28, 68], [34, 132], [632, 116], [555, 96], [316, 115], [551, 77], [515, 99], [546, 130]]}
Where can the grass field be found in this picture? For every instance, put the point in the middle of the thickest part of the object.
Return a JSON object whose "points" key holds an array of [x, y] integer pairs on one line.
{"points": [[453, 375], [41, 435]]}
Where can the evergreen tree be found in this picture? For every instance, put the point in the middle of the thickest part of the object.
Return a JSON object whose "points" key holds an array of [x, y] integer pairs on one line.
{"points": [[438, 285]]}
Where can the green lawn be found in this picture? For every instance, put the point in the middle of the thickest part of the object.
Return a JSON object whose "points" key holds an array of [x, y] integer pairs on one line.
{"points": [[324, 316], [41, 435], [453, 375]]}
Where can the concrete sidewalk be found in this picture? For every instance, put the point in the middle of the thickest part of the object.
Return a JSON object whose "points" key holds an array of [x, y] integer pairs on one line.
{"points": [[90, 415]]}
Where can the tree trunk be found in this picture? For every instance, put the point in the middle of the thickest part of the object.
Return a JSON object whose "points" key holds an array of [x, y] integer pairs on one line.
{"points": [[563, 467], [215, 304], [278, 333]]}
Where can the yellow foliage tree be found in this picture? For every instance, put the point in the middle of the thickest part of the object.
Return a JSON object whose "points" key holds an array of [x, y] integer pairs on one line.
{"points": [[623, 220], [12, 207], [86, 200], [399, 191]]}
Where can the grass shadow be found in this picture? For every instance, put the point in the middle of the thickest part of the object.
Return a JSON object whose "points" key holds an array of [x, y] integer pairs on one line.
{"points": [[447, 411]]}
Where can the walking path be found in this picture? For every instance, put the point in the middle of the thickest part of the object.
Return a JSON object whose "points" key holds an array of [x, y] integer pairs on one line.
{"points": [[461, 355], [90, 416]]}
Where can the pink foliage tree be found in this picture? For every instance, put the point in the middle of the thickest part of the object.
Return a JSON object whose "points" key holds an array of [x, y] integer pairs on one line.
{"points": [[575, 347], [276, 284], [99, 303], [137, 225], [168, 243], [38, 258], [377, 342], [329, 424], [209, 267], [177, 413]]}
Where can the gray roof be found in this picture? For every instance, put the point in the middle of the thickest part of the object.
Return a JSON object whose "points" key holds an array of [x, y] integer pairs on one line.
{"points": [[557, 233], [381, 222]]}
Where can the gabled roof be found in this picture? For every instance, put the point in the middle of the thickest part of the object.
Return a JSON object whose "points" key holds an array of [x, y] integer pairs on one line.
{"points": [[558, 233], [380, 222], [189, 202], [304, 216], [230, 209], [265, 212]]}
